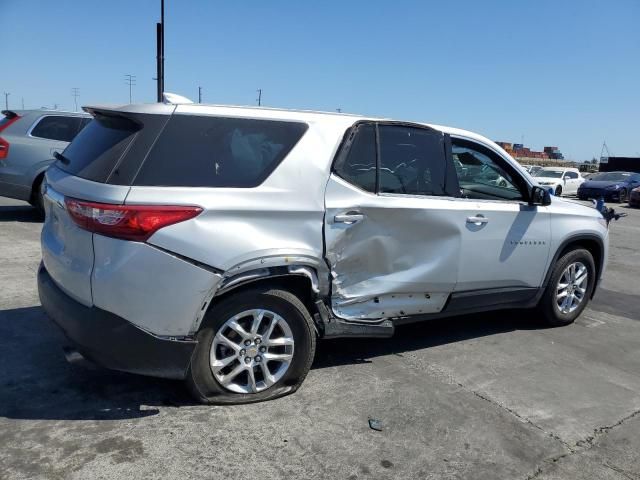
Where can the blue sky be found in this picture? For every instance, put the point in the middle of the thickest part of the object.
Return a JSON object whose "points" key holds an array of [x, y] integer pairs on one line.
{"points": [[558, 72]]}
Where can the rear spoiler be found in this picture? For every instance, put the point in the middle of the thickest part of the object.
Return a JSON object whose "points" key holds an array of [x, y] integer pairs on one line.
{"points": [[9, 114]]}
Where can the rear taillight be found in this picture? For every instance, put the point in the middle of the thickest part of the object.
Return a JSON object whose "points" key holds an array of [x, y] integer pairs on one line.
{"points": [[10, 118], [128, 222]]}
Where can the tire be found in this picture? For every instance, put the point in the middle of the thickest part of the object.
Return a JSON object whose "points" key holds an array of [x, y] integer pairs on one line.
{"points": [[207, 388], [558, 191], [623, 196], [548, 306], [36, 197]]}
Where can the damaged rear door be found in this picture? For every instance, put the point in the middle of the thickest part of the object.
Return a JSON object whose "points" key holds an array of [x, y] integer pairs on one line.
{"points": [[391, 240]]}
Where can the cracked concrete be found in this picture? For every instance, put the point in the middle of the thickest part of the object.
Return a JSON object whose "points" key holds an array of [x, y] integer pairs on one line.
{"points": [[480, 397]]}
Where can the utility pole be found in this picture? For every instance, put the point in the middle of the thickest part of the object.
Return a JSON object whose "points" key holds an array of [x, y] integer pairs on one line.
{"points": [[259, 96], [75, 93], [22, 102], [131, 81], [160, 52], [199, 94], [6, 100], [339, 110]]}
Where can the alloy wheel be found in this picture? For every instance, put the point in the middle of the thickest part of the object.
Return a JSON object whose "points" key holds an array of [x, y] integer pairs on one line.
{"points": [[252, 351], [572, 287]]}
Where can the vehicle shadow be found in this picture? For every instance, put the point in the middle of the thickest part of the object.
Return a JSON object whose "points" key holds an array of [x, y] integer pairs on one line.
{"points": [[427, 334], [38, 383], [19, 213]]}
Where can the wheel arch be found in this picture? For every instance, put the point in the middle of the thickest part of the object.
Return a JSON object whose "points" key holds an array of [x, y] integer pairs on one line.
{"points": [[591, 242], [300, 280]]}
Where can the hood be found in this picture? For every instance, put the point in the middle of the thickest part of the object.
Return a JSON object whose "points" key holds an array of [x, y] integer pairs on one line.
{"points": [[547, 179], [573, 206], [602, 183]]}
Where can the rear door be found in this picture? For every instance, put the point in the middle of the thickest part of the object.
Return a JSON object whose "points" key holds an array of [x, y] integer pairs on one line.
{"points": [[572, 181], [392, 229], [67, 250]]}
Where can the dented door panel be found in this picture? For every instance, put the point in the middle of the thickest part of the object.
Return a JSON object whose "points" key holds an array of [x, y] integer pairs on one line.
{"points": [[400, 258]]}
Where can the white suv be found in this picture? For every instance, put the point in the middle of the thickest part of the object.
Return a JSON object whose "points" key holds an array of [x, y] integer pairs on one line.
{"points": [[561, 181], [216, 244]]}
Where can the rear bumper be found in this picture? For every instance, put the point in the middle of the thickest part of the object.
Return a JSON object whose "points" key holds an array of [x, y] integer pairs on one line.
{"points": [[111, 341]]}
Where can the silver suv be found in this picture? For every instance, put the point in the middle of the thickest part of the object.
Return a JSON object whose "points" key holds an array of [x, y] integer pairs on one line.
{"points": [[216, 244], [29, 139]]}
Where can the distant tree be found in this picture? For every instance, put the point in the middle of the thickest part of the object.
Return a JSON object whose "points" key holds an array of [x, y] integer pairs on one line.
{"points": [[594, 161]]}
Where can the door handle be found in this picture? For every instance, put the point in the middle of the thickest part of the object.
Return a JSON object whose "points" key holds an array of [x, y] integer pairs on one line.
{"points": [[478, 220], [349, 218]]}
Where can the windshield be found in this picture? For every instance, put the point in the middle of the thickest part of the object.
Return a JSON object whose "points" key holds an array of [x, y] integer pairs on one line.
{"points": [[548, 173], [611, 177]]}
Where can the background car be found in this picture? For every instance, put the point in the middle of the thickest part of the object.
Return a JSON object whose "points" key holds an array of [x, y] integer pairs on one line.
{"points": [[634, 197], [563, 181], [28, 141], [612, 186]]}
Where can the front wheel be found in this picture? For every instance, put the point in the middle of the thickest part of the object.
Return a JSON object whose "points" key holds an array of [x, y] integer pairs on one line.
{"points": [[623, 196], [558, 191], [255, 345], [569, 288]]}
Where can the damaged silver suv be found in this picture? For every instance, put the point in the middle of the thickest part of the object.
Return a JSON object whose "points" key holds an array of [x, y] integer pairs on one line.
{"points": [[217, 244]]}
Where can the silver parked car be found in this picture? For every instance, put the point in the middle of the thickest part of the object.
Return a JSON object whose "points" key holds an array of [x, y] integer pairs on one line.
{"points": [[29, 140], [216, 244]]}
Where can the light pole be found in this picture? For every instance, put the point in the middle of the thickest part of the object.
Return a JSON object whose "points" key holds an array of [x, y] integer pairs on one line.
{"points": [[131, 81], [160, 52], [75, 93], [6, 100], [259, 96]]}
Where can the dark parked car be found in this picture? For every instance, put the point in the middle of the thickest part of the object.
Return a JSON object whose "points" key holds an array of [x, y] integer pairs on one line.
{"points": [[612, 186], [634, 197]]}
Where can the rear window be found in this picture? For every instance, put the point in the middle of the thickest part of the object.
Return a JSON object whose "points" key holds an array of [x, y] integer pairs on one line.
{"points": [[198, 151], [96, 150]]}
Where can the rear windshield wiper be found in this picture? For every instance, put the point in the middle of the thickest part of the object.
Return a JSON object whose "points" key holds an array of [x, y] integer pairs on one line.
{"points": [[61, 157]]}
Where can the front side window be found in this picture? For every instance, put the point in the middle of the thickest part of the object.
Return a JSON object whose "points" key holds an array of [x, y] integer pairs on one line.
{"points": [[571, 175], [481, 173], [57, 127]]}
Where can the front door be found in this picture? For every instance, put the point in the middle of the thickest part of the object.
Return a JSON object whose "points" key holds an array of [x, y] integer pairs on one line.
{"points": [[505, 241]]}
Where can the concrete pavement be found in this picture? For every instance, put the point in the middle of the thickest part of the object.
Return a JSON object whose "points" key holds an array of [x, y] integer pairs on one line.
{"points": [[485, 396]]}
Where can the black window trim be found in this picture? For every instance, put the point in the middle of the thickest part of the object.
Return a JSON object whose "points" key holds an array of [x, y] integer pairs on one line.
{"points": [[523, 184], [39, 119]]}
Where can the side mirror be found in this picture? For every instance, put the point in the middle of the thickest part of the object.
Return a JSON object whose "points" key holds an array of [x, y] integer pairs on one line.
{"points": [[540, 196]]}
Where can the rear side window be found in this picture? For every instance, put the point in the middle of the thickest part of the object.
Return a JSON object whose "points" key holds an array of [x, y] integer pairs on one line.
{"points": [[358, 167], [412, 161], [57, 127], [95, 152], [198, 151]]}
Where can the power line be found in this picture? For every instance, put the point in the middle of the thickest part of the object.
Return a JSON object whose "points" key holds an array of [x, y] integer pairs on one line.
{"points": [[75, 93], [259, 96], [6, 100], [131, 81]]}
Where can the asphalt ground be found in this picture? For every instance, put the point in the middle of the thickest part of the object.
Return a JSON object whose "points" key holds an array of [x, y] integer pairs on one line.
{"points": [[481, 397]]}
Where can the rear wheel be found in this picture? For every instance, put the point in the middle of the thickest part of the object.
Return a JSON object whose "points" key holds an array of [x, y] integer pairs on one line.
{"points": [[569, 288], [558, 191], [37, 199], [255, 345]]}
